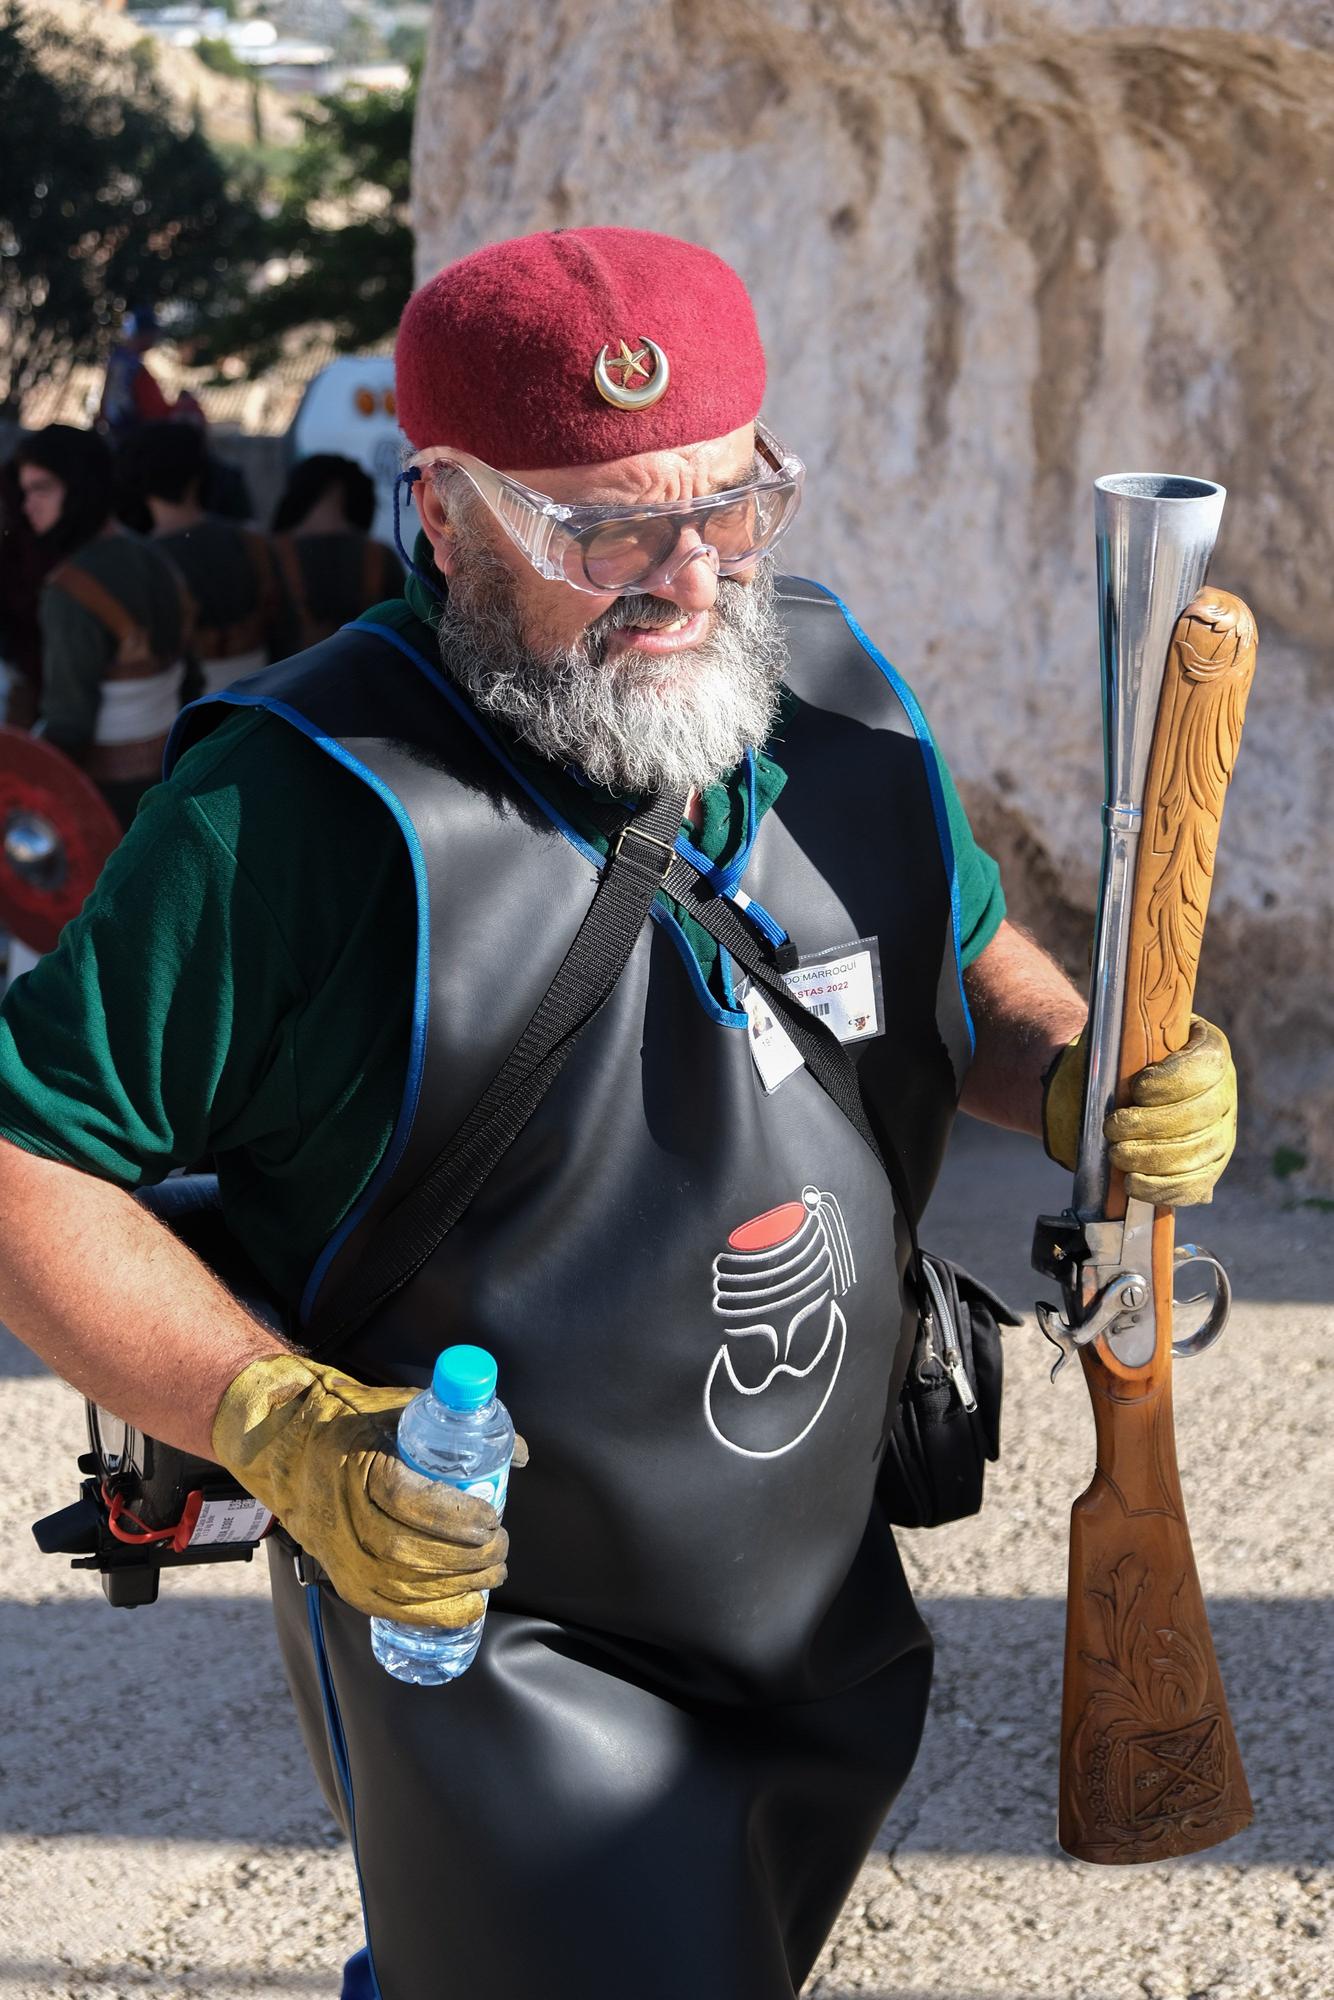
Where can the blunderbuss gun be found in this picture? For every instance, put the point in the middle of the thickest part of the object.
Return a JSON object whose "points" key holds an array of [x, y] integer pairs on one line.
{"points": [[1149, 1761]]}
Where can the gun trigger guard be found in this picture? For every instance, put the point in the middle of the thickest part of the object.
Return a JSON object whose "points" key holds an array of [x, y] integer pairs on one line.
{"points": [[1216, 1319]]}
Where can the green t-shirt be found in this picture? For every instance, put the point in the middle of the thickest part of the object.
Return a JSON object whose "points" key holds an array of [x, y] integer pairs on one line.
{"points": [[239, 983]]}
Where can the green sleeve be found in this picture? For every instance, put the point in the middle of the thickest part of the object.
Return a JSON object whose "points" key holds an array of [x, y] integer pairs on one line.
{"points": [[981, 898], [75, 652], [159, 1029]]}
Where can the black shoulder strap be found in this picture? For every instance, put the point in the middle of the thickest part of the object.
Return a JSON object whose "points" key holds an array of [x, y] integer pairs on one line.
{"points": [[410, 1232]]}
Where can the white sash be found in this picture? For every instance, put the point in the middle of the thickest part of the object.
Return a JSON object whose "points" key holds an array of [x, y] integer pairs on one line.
{"points": [[132, 710]]}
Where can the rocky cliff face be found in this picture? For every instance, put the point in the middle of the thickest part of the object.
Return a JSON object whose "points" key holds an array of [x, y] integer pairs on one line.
{"points": [[997, 249]]}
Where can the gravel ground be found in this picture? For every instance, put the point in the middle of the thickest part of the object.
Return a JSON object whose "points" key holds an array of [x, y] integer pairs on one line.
{"points": [[160, 1834]]}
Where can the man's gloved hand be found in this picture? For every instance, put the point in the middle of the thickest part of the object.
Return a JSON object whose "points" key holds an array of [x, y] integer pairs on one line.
{"points": [[318, 1448], [1176, 1135]]}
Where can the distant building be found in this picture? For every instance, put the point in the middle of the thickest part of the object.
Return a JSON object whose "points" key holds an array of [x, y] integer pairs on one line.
{"points": [[293, 65], [367, 76], [290, 63]]}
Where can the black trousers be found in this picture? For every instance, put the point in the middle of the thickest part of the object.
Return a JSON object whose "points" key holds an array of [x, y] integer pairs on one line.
{"points": [[547, 1828]]}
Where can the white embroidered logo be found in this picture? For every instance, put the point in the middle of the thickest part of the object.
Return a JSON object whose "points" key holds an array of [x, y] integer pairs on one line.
{"points": [[777, 1285]]}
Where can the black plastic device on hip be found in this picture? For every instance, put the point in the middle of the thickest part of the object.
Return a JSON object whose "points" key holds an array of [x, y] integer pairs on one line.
{"points": [[143, 1506]]}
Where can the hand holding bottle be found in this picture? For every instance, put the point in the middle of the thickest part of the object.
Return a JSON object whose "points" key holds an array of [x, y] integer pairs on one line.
{"points": [[320, 1450], [458, 1433]]}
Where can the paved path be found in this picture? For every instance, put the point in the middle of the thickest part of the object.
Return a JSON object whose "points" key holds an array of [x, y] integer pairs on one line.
{"points": [[160, 1835]]}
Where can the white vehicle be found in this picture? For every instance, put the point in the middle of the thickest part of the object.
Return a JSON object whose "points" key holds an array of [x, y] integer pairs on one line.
{"points": [[348, 408]]}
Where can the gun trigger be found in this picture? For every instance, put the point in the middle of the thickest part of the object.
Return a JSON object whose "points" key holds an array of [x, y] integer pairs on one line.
{"points": [[1055, 1329]]}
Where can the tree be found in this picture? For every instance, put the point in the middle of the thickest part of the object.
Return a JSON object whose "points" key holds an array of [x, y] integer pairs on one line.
{"points": [[107, 199], [216, 53], [342, 229], [407, 44]]}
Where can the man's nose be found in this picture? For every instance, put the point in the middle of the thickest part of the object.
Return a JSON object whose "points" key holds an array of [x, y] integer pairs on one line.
{"points": [[689, 577]]}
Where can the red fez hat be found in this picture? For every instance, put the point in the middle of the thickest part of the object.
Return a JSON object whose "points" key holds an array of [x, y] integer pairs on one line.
{"points": [[577, 346]]}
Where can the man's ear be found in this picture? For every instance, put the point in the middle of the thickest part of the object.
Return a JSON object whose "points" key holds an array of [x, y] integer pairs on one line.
{"points": [[436, 523]]}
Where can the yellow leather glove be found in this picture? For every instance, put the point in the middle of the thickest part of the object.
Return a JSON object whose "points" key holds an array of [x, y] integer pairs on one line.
{"points": [[1176, 1135], [318, 1448]]}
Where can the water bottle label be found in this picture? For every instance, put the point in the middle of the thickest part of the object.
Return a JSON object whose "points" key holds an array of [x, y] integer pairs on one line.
{"points": [[493, 1489]]}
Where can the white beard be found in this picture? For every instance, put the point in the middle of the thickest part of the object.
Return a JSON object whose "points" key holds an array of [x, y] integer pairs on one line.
{"points": [[640, 722]]}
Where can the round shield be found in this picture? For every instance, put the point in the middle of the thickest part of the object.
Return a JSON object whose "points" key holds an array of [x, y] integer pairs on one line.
{"points": [[56, 830]]}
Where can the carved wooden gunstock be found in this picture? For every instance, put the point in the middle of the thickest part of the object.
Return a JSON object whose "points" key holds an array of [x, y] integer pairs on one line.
{"points": [[1149, 1762]]}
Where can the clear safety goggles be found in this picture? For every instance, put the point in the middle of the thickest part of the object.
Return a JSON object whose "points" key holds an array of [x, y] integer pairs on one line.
{"points": [[611, 551]]}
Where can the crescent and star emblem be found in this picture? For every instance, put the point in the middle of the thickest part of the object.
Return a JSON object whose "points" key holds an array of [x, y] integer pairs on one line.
{"points": [[646, 360]]}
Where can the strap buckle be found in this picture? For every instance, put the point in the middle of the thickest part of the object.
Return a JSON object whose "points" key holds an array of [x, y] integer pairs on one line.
{"points": [[667, 847]]}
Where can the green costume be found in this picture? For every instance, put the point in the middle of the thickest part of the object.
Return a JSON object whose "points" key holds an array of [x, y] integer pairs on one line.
{"points": [[77, 648], [115, 619], [232, 576]]}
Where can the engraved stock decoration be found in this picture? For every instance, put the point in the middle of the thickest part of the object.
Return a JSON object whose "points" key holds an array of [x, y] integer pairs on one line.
{"points": [[1200, 718], [1155, 1748]]}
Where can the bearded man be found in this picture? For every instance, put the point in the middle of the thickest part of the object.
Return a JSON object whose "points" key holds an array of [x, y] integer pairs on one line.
{"points": [[704, 1681]]}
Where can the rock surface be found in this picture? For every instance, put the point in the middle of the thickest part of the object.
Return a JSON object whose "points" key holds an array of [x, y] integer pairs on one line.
{"points": [[997, 249]]}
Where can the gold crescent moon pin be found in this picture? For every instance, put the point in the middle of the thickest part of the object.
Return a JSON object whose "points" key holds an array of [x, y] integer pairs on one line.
{"points": [[631, 362]]}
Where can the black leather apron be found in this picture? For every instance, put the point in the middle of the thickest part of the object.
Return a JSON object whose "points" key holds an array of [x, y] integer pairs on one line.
{"points": [[705, 1680]]}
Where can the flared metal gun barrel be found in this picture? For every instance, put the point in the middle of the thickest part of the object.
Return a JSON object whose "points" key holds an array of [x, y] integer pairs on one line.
{"points": [[1155, 534]]}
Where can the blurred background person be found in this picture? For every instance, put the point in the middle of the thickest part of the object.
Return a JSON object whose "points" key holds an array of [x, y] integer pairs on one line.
{"points": [[24, 561], [331, 566], [228, 569], [114, 617], [131, 392], [132, 396]]}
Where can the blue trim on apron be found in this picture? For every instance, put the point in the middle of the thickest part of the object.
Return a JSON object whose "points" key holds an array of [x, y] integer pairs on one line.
{"points": [[725, 1019], [927, 742], [359, 1977], [723, 880], [421, 992], [359, 1980], [445, 687]]}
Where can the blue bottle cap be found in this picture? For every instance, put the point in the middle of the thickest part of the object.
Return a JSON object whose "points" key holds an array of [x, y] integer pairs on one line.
{"points": [[464, 1378]]}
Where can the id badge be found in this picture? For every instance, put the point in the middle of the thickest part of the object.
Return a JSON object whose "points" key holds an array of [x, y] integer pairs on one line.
{"points": [[841, 986]]}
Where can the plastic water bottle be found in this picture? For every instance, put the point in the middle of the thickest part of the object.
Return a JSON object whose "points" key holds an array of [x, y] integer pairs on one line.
{"points": [[456, 1430]]}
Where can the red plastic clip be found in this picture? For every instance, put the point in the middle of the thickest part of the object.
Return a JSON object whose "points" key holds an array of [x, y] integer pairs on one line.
{"points": [[139, 1534]]}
